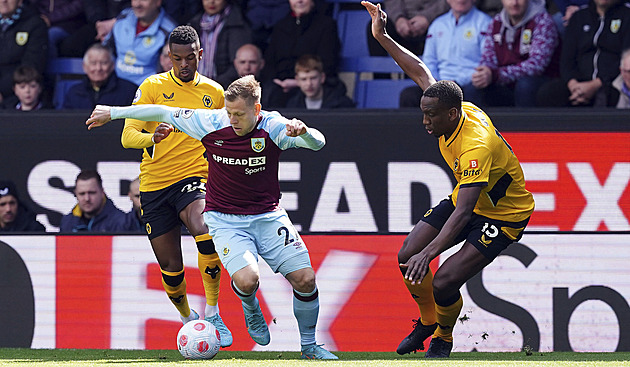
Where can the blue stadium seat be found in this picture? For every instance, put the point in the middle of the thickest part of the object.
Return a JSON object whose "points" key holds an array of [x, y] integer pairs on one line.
{"points": [[61, 89], [65, 66], [352, 26], [376, 93], [66, 72], [380, 93]]}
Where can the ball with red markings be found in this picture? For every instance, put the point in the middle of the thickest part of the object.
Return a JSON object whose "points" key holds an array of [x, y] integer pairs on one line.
{"points": [[198, 339]]}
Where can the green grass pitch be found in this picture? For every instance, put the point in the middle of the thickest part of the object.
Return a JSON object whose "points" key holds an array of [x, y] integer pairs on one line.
{"points": [[144, 358]]}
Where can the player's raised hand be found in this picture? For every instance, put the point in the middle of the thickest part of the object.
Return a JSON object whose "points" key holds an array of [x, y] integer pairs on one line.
{"points": [[161, 132], [295, 128], [379, 18], [99, 117]]}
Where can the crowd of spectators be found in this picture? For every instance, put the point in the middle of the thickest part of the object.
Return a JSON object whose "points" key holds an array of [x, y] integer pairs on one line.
{"points": [[524, 53]]}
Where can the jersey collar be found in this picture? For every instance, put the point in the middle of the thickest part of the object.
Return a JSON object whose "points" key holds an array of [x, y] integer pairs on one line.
{"points": [[458, 130]]}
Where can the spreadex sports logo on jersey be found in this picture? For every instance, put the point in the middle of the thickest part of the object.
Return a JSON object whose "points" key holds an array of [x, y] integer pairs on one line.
{"points": [[474, 169], [258, 162]]}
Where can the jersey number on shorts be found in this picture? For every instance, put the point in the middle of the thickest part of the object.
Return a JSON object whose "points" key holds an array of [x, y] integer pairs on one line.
{"points": [[287, 233]]}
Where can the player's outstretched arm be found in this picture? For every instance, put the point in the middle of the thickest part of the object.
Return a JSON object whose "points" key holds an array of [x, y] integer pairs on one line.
{"points": [[308, 137], [408, 62], [99, 117]]}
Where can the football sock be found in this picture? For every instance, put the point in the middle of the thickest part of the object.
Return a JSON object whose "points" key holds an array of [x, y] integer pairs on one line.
{"points": [[422, 293], [249, 301], [306, 310], [175, 286], [447, 313], [211, 311], [209, 267]]}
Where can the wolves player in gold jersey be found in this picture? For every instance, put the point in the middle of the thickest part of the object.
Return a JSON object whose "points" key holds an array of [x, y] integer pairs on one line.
{"points": [[489, 208], [173, 176]]}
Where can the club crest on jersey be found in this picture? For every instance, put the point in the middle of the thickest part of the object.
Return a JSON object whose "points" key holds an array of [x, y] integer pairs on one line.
{"points": [[456, 165], [136, 98], [258, 144], [207, 101], [21, 38], [615, 25], [468, 34], [148, 41]]}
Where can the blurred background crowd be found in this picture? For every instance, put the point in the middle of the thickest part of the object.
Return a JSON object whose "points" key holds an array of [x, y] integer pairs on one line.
{"points": [[524, 53]]}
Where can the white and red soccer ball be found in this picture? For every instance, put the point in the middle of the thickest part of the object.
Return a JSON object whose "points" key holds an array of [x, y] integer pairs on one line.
{"points": [[198, 339]]}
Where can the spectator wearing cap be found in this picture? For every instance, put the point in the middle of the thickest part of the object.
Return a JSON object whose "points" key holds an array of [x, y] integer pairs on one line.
{"points": [[14, 216]]}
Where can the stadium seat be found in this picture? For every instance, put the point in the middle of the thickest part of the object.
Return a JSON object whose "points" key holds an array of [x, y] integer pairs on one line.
{"points": [[65, 72], [65, 66], [352, 26], [380, 93], [376, 93], [61, 89]]}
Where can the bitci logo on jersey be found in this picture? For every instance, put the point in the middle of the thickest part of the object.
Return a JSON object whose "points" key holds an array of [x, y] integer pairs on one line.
{"points": [[474, 163]]}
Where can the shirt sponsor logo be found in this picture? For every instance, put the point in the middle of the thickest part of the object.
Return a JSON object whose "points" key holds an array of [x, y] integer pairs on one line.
{"points": [[130, 58], [474, 163], [250, 161], [471, 172]]}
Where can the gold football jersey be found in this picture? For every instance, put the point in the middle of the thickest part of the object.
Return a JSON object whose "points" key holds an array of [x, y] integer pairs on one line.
{"points": [[478, 155], [178, 156]]}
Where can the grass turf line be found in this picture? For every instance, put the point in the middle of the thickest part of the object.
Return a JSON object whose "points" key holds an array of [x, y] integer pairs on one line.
{"points": [[22, 357]]}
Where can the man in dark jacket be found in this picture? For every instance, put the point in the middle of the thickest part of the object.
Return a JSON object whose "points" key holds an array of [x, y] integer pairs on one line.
{"points": [[313, 93], [100, 85], [589, 61], [94, 211], [24, 40], [14, 216]]}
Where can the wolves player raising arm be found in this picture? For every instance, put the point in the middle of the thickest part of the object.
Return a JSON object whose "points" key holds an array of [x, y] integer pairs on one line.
{"points": [[488, 209]]}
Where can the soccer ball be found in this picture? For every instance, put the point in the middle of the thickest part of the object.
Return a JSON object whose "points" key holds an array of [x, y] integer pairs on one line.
{"points": [[198, 339]]}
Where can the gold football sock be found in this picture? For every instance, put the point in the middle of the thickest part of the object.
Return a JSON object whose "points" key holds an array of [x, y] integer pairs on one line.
{"points": [[422, 293], [175, 286], [209, 267], [446, 318]]}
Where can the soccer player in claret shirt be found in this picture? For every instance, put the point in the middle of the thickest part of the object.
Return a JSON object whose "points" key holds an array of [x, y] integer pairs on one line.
{"points": [[173, 176], [242, 209], [489, 208]]}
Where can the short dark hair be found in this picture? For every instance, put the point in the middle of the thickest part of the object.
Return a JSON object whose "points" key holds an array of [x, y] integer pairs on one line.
{"points": [[246, 87], [183, 35], [26, 74], [88, 174], [447, 92]]}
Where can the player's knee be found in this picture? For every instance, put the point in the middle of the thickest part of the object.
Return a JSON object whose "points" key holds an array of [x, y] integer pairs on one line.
{"points": [[444, 286], [246, 281], [303, 280]]}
